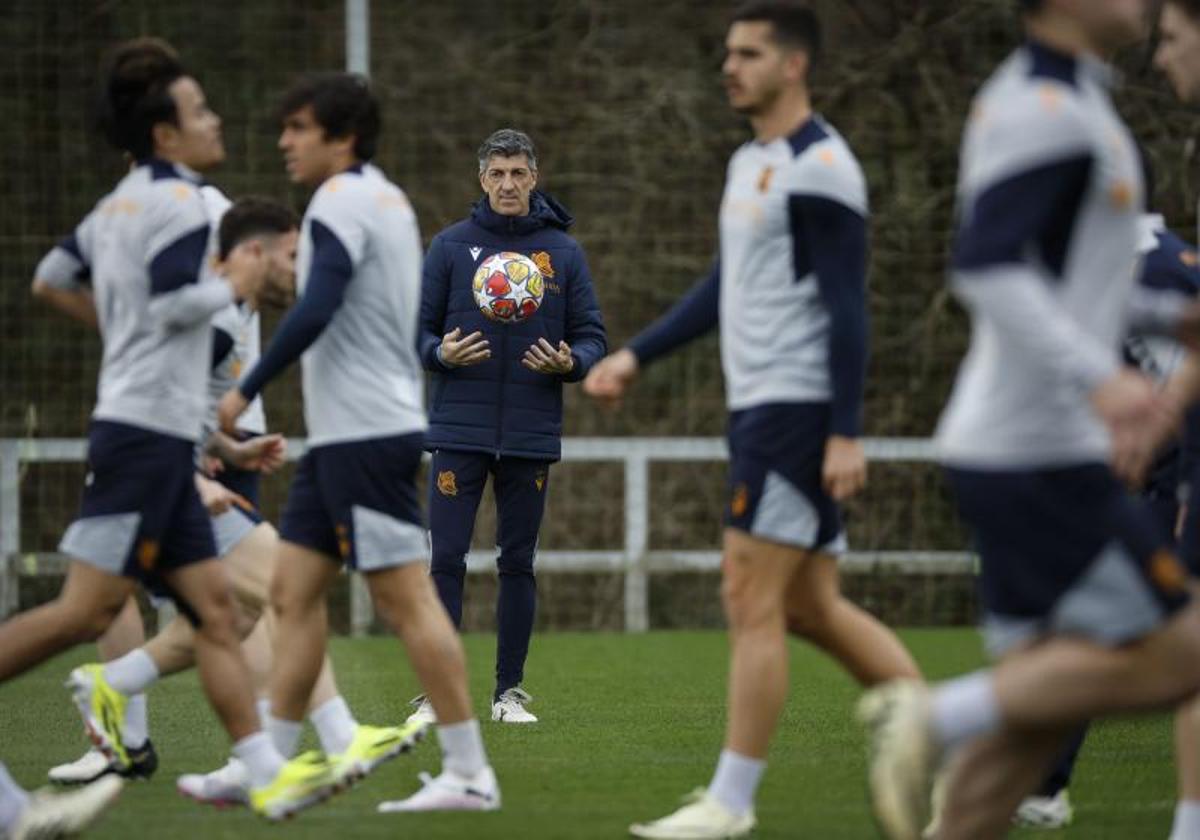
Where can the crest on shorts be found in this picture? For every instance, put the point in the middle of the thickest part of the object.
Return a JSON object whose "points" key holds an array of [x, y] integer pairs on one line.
{"points": [[1167, 572], [447, 483], [740, 502], [343, 540], [542, 260], [539, 480], [147, 554]]}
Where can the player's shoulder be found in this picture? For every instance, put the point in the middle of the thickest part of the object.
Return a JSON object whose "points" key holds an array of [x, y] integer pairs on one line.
{"points": [[215, 201], [824, 164], [360, 192], [1034, 97]]}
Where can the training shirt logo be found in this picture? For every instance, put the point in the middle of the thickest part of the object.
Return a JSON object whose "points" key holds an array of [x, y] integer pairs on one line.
{"points": [[475, 252], [542, 260], [447, 484]]}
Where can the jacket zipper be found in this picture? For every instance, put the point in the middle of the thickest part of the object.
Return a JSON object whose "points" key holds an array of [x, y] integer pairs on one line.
{"points": [[500, 396]]}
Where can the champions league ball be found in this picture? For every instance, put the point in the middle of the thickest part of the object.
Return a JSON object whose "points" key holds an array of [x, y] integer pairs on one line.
{"points": [[508, 287]]}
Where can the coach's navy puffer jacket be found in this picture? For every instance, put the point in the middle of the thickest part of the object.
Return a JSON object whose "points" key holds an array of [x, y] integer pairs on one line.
{"points": [[499, 405]]}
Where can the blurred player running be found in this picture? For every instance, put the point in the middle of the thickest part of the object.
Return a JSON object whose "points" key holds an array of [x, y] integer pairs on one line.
{"points": [[790, 290], [1087, 608], [354, 497], [141, 517]]}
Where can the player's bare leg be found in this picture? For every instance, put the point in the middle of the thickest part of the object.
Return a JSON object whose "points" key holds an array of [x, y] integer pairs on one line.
{"points": [[991, 776], [298, 598], [222, 668], [126, 633], [89, 603], [406, 600], [755, 578], [1050, 687], [408, 603], [818, 613]]}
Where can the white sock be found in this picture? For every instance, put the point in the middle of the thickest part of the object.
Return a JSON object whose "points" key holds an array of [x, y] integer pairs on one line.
{"points": [[1187, 820], [735, 782], [335, 725], [132, 674], [137, 729], [285, 734], [263, 704], [13, 800], [965, 708], [263, 762], [462, 748]]}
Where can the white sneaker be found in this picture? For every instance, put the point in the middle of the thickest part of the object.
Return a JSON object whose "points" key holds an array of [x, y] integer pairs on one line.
{"points": [[1045, 811], [224, 787], [450, 792], [702, 818], [424, 711], [510, 708], [87, 768], [904, 757], [51, 815]]}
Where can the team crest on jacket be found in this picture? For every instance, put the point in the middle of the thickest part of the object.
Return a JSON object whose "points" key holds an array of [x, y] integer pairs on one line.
{"points": [[542, 260], [764, 180], [447, 484]]}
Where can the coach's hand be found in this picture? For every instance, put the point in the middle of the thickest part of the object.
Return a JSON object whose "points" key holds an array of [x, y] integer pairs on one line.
{"points": [[229, 409], [610, 378], [457, 351], [543, 358], [844, 472]]}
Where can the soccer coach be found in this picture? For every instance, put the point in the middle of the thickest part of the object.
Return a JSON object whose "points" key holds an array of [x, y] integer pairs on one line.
{"points": [[496, 404]]}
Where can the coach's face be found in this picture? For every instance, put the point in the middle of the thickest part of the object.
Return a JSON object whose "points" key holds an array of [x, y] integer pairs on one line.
{"points": [[309, 156], [1178, 53], [508, 182], [757, 68]]}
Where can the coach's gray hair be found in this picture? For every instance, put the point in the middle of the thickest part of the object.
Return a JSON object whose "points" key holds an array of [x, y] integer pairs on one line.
{"points": [[507, 142]]}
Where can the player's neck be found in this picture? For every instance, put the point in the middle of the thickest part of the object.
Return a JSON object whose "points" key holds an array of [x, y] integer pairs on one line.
{"points": [[1063, 34], [790, 111]]}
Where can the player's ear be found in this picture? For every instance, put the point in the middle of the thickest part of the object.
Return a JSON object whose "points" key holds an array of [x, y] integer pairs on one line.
{"points": [[165, 136]]}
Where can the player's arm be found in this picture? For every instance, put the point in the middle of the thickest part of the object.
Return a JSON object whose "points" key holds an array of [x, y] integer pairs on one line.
{"points": [[695, 314], [177, 247], [1165, 300], [329, 277], [834, 238], [585, 337], [61, 280]]}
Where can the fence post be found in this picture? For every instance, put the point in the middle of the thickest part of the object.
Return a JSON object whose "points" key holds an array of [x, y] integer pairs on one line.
{"points": [[637, 526], [10, 525]]}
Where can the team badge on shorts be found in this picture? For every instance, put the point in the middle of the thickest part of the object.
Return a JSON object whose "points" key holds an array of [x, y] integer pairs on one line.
{"points": [[447, 485], [539, 480], [343, 540], [1167, 572], [147, 554], [740, 501]]}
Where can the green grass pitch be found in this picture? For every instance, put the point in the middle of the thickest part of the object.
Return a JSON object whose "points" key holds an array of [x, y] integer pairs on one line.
{"points": [[629, 724]]}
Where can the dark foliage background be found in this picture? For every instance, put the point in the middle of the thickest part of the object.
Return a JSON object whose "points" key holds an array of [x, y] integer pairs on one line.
{"points": [[623, 98]]}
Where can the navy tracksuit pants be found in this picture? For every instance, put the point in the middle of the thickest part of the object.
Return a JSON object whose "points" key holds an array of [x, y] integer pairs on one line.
{"points": [[456, 481]]}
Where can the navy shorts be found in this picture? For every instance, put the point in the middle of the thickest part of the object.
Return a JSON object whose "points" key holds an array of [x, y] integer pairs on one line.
{"points": [[775, 488], [358, 501], [140, 516], [1067, 551]]}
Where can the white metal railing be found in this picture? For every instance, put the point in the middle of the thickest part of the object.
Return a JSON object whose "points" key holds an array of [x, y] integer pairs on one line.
{"points": [[633, 559]]}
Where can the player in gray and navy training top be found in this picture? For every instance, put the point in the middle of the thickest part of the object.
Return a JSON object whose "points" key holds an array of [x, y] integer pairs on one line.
{"points": [[789, 293], [354, 497]]}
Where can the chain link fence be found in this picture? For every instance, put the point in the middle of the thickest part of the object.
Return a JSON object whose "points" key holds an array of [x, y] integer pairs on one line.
{"points": [[624, 101]]}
